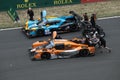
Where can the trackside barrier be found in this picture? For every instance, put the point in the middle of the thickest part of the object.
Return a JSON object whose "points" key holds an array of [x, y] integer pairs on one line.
{"points": [[13, 5], [24, 4], [88, 1]]}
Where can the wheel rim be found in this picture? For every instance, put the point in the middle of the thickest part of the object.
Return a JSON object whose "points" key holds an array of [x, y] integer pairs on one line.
{"points": [[84, 52], [73, 28], [40, 32]]}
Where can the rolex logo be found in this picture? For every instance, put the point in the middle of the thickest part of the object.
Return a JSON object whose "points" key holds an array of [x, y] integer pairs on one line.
{"points": [[26, 0]]}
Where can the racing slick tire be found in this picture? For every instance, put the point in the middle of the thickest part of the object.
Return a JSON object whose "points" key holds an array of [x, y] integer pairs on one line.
{"points": [[84, 52], [40, 32], [73, 28], [45, 56], [28, 34]]}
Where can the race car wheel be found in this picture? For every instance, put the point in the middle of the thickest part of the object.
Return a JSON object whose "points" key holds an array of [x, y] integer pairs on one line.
{"points": [[74, 28], [45, 55], [84, 52], [28, 35], [40, 32]]}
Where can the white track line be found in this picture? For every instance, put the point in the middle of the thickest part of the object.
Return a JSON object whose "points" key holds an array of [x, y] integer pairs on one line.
{"points": [[98, 19], [108, 17], [10, 28]]}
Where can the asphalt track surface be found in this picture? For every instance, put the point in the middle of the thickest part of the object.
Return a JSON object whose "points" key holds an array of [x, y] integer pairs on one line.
{"points": [[16, 65]]}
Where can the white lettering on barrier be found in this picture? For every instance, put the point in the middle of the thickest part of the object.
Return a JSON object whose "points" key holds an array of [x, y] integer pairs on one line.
{"points": [[56, 2]]}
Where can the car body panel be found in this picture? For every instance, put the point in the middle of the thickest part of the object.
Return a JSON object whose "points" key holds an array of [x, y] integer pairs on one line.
{"points": [[52, 23], [62, 48]]}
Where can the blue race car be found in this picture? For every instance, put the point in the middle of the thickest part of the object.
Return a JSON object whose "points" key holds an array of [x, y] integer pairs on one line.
{"points": [[47, 25]]}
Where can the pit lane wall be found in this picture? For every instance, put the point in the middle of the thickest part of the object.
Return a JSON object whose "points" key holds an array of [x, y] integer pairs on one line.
{"points": [[24, 4]]}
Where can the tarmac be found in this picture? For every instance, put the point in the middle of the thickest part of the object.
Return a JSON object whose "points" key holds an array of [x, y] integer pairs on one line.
{"points": [[16, 65]]}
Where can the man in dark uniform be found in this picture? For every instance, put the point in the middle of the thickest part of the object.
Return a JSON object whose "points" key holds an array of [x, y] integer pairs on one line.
{"points": [[30, 13], [93, 20], [86, 19]]}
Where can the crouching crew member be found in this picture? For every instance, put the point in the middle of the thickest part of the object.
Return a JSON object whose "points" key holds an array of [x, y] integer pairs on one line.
{"points": [[103, 44]]}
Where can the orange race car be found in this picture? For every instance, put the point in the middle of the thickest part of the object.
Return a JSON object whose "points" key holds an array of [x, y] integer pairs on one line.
{"points": [[59, 48]]}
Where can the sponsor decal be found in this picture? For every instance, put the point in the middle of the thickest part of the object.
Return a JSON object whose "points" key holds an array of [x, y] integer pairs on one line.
{"points": [[59, 2], [26, 4]]}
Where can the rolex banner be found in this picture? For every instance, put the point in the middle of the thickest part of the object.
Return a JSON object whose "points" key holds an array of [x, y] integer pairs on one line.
{"points": [[24, 4], [87, 1]]}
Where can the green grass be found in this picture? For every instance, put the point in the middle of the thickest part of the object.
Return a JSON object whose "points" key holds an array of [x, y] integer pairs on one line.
{"points": [[102, 9]]}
